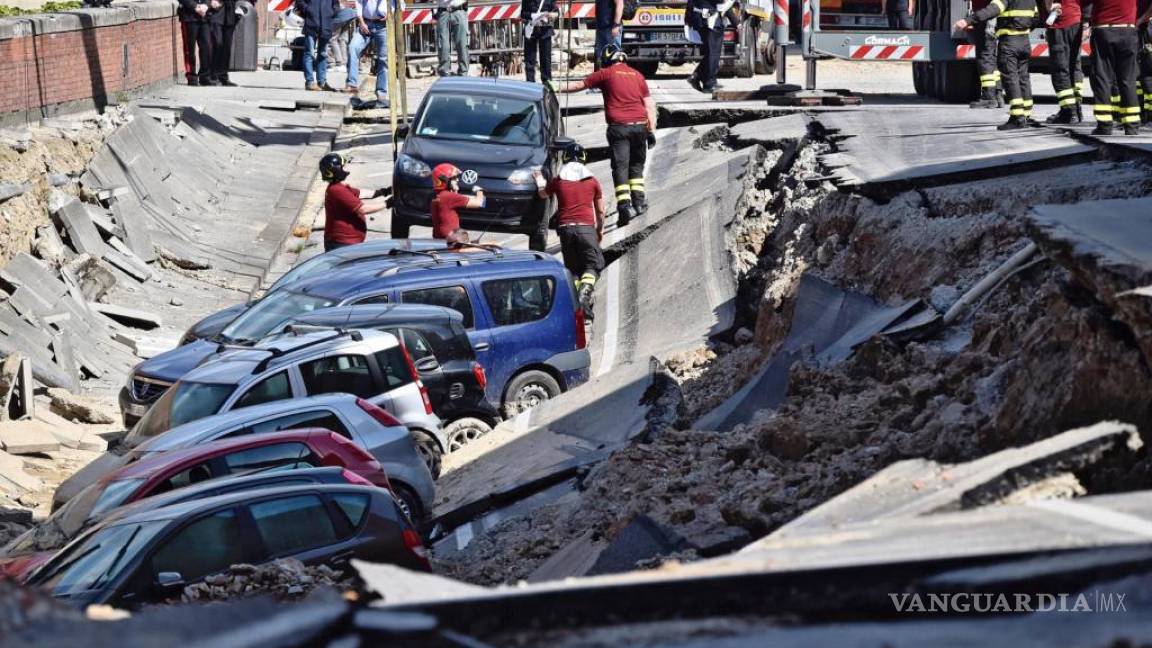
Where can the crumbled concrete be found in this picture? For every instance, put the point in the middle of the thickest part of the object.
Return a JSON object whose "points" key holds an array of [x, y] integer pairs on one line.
{"points": [[78, 408], [283, 579]]}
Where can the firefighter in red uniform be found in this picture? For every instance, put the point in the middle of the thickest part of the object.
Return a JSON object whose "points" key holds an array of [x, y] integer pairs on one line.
{"points": [[991, 92], [1013, 51], [1064, 37], [631, 114], [345, 212], [448, 201], [1114, 48], [1144, 59]]}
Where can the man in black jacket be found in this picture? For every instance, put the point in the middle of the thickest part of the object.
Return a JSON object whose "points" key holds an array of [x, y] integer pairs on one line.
{"points": [[538, 17], [1014, 20], [318, 25], [707, 18], [223, 23], [197, 35]]}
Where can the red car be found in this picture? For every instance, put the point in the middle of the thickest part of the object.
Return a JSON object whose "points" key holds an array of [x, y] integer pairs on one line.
{"points": [[168, 471]]}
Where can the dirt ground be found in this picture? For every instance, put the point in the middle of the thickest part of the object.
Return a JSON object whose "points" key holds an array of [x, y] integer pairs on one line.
{"points": [[1039, 356]]}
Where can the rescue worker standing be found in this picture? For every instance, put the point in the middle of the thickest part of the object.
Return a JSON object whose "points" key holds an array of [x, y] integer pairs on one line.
{"points": [[579, 219], [448, 201], [1144, 58], [538, 17], [1014, 20], [1064, 37], [345, 212], [631, 114], [991, 92], [705, 16], [1114, 49]]}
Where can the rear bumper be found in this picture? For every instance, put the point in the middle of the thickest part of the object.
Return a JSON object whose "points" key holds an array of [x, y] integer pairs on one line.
{"points": [[573, 366]]}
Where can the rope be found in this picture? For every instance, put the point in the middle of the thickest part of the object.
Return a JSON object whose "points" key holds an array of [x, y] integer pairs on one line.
{"points": [[568, 64]]}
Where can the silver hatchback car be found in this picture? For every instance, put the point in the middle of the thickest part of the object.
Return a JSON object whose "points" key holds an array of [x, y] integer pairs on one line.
{"points": [[370, 364]]}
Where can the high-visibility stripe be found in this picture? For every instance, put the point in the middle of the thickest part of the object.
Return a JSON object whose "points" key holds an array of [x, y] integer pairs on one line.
{"points": [[1070, 101], [1000, 4], [1115, 99], [1028, 103], [1131, 119], [1012, 32], [1016, 112], [1017, 13], [1065, 93], [1017, 101], [1131, 109], [988, 84], [636, 183], [987, 76]]}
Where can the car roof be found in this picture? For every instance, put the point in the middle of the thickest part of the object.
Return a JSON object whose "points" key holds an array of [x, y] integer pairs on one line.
{"points": [[249, 480], [489, 86], [373, 247], [161, 461], [134, 515], [375, 315], [406, 269], [234, 365]]}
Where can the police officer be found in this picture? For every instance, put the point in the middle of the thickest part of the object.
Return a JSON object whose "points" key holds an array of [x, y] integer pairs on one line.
{"points": [[195, 21], [1014, 20], [1114, 49], [991, 92], [706, 17], [579, 219], [631, 114], [1064, 37]]}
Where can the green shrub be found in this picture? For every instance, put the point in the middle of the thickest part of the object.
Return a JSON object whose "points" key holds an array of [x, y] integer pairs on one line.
{"points": [[48, 7]]}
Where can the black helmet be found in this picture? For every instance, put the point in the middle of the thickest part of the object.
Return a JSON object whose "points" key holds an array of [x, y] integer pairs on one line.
{"points": [[611, 54], [573, 152], [332, 168]]}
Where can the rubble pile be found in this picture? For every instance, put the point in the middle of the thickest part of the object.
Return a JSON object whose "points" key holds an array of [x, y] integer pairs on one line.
{"points": [[1039, 355], [21, 607], [283, 579]]}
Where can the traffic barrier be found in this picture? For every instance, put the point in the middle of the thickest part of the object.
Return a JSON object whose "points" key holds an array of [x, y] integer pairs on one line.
{"points": [[890, 52], [1038, 49]]}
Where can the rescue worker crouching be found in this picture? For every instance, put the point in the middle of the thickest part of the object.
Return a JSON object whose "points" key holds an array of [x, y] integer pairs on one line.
{"points": [[448, 201], [345, 212], [579, 219], [1014, 20], [630, 112]]}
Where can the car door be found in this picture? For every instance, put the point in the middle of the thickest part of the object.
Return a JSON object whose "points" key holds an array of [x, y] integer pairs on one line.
{"points": [[341, 373], [301, 526], [427, 365], [205, 545], [518, 308], [461, 297]]}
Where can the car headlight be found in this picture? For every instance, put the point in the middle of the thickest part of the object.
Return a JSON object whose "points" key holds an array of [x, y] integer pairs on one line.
{"points": [[523, 176], [412, 167], [128, 381]]}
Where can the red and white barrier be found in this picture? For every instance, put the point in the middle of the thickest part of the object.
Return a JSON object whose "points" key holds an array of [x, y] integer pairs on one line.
{"points": [[1039, 49], [889, 52]]}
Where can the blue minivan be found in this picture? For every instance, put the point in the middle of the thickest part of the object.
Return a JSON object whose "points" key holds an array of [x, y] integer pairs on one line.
{"points": [[519, 307]]}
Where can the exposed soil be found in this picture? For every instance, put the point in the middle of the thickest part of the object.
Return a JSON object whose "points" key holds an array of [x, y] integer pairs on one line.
{"points": [[1039, 356]]}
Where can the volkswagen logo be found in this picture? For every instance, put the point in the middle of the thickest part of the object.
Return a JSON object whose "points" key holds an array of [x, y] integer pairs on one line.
{"points": [[469, 177]]}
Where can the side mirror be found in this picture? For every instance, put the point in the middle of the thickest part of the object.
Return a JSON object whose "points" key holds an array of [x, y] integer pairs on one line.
{"points": [[427, 365], [402, 131], [169, 583]]}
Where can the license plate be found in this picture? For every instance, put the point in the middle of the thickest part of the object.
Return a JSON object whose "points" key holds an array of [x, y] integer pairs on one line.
{"points": [[652, 17], [132, 409]]}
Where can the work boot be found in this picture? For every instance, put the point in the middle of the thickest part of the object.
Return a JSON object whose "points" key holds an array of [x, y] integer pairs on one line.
{"points": [[1102, 128], [639, 203], [1066, 115], [1014, 122], [624, 213], [987, 99], [1132, 129], [695, 83]]}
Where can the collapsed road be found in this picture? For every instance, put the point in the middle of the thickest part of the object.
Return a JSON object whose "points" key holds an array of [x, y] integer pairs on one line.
{"points": [[816, 381]]}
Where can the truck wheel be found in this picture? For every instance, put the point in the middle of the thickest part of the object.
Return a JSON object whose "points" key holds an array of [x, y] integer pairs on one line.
{"points": [[527, 390], [429, 451], [647, 68], [959, 81], [463, 431], [400, 228], [745, 64]]}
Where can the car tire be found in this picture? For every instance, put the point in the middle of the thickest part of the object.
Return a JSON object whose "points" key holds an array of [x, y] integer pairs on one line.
{"points": [[409, 503], [400, 228], [429, 451], [528, 390], [463, 431]]}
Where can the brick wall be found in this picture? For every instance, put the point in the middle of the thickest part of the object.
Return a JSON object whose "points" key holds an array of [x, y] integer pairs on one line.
{"points": [[87, 58]]}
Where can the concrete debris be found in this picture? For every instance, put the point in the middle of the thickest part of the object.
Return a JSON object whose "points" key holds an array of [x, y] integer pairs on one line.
{"points": [[23, 607], [133, 317], [69, 434], [78, 408], [59, 179], [48, 245], [16, 400], [283, 579], [14, 479], [95, 277], [10, 190], [398, 586], [27, 437]]}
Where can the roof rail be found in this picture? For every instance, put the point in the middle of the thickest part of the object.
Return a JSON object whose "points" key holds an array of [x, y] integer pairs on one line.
{"points": [[431, 254], [275, 352]]}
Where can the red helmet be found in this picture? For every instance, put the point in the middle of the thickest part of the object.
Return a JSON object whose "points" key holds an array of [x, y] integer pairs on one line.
{"points": [[442, 174]]}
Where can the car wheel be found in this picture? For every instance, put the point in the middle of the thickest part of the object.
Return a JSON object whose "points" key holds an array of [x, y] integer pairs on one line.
{"points": [[429, 451], [463, 431], [400, 228], [528, 390], [409, 503]]}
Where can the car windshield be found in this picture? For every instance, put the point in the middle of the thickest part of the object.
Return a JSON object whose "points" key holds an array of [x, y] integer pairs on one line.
{"points": [[71, 518], [93, 561], [272, 311], [481, 119], [183, 402]]}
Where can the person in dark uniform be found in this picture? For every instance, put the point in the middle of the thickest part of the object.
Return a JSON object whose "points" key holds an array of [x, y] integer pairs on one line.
{"points": [[539, 17], [1144, 58], [1064, 37], [1115, 45], [345, 212], [197, 36], [899, 13], [1014, 20], [227, 16], [630, 112], [706, 17], [991, 92]]}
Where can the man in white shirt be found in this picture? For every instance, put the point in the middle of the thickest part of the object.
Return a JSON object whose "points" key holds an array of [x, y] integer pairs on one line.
{"points": [[372, 25], [452, 27]]}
